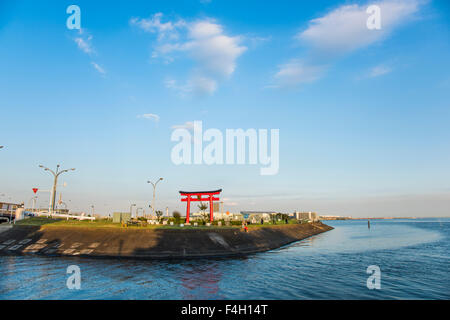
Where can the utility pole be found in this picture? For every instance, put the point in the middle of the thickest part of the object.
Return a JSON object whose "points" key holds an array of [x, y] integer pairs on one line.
{"points": [[154, 194], [55, 174]]}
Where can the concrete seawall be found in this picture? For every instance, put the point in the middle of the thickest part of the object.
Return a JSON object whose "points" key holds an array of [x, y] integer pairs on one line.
{"points": [[150, 243]]}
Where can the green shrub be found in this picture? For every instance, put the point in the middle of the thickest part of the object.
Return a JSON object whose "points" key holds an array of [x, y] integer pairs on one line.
{"points": [[177, 217]]}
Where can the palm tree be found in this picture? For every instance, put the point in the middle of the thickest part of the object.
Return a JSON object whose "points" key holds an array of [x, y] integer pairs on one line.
{"points": [[159, 214], [202, 207]]}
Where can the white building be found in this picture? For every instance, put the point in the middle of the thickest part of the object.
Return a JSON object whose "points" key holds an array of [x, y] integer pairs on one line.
{"points": [[256, 216], [310, 216]]}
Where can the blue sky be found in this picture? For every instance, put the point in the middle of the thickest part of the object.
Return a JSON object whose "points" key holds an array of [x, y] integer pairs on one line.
{"points": [[363, 114]]}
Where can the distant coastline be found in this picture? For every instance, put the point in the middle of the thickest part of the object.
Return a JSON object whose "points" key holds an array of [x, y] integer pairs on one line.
{"points": [[325, 218]]}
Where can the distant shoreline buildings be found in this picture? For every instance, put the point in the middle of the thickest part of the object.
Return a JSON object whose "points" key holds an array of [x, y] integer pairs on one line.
{"points": [[331, 217]]}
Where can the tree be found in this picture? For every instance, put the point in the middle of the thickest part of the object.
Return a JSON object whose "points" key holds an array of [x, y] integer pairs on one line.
{"points": [[202, 207], [274, 218], [177, 216], [159, 214]]}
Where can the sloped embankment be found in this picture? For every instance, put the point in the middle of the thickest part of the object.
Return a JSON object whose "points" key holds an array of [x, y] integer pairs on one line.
{"points": [[151, 243]]}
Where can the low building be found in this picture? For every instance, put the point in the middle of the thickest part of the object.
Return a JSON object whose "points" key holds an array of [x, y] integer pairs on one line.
{"points": [[230, 216], [119, 217], [310, 216], [199, 216], [6, 207], [256, 216]]}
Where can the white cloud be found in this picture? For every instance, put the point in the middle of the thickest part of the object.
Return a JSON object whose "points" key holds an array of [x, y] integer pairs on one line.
{"points": [[342, 31], [297, 72], [204, 41], [215, 52], [196, 85], [189, 125], [84, 42], [379, 71], [98, 68], [84, 45], [255, 41], [154, 25], [149, 116]]}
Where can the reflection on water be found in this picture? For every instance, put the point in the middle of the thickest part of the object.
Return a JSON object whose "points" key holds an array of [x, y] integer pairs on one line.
{"points": [[198, 280], [413, 256]]}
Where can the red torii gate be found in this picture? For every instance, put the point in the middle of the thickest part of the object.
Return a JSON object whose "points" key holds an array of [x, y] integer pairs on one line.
{"points": [[198, 196]]}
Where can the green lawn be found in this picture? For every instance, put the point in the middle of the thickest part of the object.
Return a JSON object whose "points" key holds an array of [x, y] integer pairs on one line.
{"points": [[104, 223]]}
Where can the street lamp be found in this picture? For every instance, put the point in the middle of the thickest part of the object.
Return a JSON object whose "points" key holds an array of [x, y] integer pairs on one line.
{"points": [[55, 174], [34, 202], [131, 209], [154, 192], [137, 212]]}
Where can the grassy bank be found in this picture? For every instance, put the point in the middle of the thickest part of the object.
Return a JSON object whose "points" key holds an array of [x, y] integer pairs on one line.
{"points": [[105, 223], [107, 240]]}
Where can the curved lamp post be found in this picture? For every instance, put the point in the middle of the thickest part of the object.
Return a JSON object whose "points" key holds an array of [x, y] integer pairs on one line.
{"points": [[34, 202], [55, 174], [154, 193]]}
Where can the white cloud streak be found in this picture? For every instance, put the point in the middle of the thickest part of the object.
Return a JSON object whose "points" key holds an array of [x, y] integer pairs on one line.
{"points": [[84, 42], [297, 72], [189, 125], [196, 85], [98, 68], [149, 116], [379, 70], [84, 45]]}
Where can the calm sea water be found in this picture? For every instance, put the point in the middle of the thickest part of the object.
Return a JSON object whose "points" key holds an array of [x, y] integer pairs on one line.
{"points": [[413, 256]]}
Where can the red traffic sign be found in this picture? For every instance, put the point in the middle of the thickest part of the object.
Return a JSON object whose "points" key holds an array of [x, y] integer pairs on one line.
{"points": [[35, 190]]}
